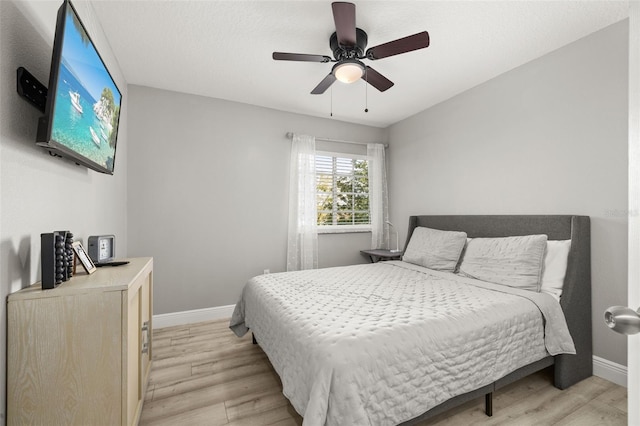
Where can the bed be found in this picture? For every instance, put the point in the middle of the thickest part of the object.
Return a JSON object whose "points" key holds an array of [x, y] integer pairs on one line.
{"points": [[395, 342]]}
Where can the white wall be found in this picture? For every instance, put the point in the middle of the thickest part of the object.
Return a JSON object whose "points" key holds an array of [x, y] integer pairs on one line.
{"points": [[39, 193], [549, 137], [208, 188]]}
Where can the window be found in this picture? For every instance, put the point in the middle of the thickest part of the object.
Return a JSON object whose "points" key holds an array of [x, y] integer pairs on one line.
{"points": [[342, 192]]}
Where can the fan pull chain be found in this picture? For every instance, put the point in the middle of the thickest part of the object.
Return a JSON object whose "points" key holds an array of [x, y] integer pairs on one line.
{"points": [[331, 110], [366, 91]]}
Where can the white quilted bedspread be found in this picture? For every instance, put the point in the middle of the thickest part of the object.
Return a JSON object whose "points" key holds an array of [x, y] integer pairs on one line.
{"points": [[382, 343]]}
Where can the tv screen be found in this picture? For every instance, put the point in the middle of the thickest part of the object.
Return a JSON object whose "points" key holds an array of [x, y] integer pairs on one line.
{"points": [[83, 102]]}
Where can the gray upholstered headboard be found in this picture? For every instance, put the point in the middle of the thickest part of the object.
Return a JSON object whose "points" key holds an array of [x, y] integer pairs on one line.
{"points": [[576, 294]]}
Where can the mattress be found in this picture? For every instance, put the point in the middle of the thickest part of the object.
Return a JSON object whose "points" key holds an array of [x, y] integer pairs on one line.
{"points": [[382, 343]]}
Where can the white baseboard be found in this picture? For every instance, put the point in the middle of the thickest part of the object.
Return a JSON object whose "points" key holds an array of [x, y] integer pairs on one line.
{"points": [[609, 370], [606, 369], [190, 317]]}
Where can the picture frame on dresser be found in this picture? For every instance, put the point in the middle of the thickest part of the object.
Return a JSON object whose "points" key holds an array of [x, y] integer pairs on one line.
{"points": [[84, 258]]}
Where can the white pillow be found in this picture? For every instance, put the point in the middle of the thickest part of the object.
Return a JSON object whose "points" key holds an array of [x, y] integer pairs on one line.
{"points": [[512, 261], [435, 249], [555, 267]]}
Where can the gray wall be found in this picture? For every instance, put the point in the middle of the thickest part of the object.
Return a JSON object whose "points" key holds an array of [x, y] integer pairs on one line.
{"points": [[549, 137], [38, 192], [208, 188]]}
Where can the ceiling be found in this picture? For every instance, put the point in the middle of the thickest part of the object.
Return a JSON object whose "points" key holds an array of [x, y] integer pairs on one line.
{"points": [[222, 49]]}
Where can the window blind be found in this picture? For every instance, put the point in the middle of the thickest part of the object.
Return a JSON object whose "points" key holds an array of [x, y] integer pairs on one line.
{"points": [[342, 189]]}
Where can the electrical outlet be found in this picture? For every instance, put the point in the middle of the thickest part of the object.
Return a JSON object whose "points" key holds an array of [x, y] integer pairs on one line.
{"points": [[266, 271]]}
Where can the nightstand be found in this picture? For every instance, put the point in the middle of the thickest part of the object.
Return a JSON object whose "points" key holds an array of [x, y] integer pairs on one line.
{"points": [[376, 255]]}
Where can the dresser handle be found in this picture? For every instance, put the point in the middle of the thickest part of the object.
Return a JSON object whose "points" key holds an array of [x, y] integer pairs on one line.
{"points": [[145, 337]]}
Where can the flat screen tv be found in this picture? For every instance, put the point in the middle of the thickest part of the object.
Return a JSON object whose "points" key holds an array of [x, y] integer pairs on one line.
{"points": [[82, 111]]}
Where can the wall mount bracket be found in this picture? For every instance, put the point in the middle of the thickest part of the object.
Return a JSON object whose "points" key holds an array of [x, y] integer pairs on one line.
{"points": [[31, 89]]}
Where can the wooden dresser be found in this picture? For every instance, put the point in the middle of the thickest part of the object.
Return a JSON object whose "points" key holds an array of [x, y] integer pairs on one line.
{"points": [[80, 354]]}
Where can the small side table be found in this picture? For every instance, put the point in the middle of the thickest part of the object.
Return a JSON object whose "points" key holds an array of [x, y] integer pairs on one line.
{"points": [[376, 255]]}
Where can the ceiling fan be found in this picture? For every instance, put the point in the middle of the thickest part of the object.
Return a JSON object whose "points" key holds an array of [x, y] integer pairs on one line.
{"points": [[348, 45]]}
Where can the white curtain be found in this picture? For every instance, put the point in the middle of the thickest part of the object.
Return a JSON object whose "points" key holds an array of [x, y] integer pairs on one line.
{"points": [[378, 198], [302, 249]]}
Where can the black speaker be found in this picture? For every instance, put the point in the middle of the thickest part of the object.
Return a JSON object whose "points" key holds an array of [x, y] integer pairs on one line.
{"points": [[48, 256]]}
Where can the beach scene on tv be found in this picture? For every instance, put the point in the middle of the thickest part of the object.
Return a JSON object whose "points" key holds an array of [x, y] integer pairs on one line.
{"points": [[87, 105]]}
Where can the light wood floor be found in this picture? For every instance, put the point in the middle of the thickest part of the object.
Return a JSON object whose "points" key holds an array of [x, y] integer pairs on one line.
{"points": [[204, 375]]}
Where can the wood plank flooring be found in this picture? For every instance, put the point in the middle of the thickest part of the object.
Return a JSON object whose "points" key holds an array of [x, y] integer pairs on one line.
{"points": [[204, 375]]}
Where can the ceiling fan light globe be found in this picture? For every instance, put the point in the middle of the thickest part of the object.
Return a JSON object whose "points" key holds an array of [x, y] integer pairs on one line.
{"points": [[349, 72]]}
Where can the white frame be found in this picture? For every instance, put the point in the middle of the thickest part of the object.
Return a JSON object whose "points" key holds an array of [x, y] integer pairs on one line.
{"points": [[82, 255], [633, 298]]}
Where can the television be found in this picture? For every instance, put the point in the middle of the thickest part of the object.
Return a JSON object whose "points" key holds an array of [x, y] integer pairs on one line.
{"points": [[82, 109]]}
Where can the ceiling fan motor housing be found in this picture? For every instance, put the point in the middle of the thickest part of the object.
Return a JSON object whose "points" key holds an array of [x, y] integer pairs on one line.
{"points": [[348, 67], [349, 52]]}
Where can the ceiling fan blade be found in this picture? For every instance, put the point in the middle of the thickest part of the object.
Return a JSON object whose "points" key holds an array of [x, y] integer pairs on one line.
{"points": [[344, 15], [280, 56], [402, 45], [324, 85], [377, 80]]}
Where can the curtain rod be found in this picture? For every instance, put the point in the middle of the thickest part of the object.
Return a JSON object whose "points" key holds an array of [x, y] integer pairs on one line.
{"points": [[290, 136]]}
